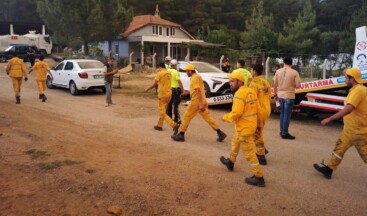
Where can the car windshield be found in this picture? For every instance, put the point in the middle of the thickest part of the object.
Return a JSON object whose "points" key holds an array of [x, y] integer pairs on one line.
{"points": [[203, 67], [90, 64], [9, 48]]}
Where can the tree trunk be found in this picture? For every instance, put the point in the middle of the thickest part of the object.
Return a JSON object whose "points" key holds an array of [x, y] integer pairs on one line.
{"points": [[109, 47]]}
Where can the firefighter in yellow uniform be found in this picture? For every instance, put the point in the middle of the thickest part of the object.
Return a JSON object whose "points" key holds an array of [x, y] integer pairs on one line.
{"points": [[198, 104], [16, 70], [354, 115], [244, 113], [163, 78], [263, 91], [41, 69], [241, 69]]}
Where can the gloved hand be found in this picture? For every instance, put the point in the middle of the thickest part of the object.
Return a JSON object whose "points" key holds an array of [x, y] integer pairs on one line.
{"points": [[26, 79]]}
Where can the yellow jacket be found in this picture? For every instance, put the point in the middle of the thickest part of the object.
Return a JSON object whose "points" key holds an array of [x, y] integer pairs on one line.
{"points": [[16, 68], [263, 91], [244, 111], [41, 69]]}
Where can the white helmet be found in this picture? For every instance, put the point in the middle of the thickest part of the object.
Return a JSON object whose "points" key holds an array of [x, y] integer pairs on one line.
{"points": [[173, 62], [168, 58]]}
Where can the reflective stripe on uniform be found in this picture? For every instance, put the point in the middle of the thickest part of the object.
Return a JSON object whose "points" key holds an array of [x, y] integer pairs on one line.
{"points": [[340, 158], [238, 98], [257, 164]]}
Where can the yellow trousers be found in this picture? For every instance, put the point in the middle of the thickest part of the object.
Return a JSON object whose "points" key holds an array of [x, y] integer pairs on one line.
{"points": [[41, 86], [248, 149], [191, 112], [348, 139], [259, 141], [17, 82], [162, 107]]}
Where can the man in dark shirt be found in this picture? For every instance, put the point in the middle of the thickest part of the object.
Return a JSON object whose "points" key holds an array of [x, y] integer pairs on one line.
{"points": [[108, 78]]}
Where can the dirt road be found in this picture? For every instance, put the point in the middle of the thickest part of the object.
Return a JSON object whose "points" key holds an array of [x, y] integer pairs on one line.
{"points": [[112, 156]]}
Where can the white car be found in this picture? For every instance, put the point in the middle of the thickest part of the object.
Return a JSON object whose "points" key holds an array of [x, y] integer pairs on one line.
{"points": [[216, 82], [77, 75]]}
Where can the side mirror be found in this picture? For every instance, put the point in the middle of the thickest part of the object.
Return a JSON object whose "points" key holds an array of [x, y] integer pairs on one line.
{"points": [[53, 68]]}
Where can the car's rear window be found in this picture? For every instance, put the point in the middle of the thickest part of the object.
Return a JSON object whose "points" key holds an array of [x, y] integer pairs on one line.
{"points": [[87, 65]]}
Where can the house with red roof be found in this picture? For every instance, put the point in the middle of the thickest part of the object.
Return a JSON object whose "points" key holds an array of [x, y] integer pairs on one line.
{"points": [[150, 34]]}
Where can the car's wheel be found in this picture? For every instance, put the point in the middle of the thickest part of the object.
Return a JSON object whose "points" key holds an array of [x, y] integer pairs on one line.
{"points": [[43, 52], [104, 89], [49, 83], [2, 59], [207, 90], [73, 89]]}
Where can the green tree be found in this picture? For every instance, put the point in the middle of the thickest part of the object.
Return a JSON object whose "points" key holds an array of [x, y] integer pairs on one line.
{"points": [[300, 34], [259, 35], [86, 20]]}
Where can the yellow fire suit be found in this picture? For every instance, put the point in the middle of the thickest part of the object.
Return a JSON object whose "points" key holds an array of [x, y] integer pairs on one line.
{"points": [[263, 91], [164, 96], [244, 114], [196, 82], [355, 127], [16, 70], [41, 68]]}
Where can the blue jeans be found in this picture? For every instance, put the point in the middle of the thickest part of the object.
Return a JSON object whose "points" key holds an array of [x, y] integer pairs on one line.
{"points": [[108, 86], [286, 107]]}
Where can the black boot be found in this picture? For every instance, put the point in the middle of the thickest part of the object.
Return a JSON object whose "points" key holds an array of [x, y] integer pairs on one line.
{"points": [[228, 163], [44, 98], [324, 169], [17, 99], [256, 181], [178, 137], [40, 96]]}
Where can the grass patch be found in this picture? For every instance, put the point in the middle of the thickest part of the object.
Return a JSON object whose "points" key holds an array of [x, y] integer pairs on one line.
{"points": [[71, 162], [57, 164], [36, 154], [50, 166]]}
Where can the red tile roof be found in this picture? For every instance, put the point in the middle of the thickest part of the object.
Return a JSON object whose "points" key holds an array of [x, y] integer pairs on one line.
{"points": [[139, 22]]}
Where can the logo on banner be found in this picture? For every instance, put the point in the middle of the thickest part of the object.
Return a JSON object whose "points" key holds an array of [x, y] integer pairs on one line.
{"points": [[362, 45]]}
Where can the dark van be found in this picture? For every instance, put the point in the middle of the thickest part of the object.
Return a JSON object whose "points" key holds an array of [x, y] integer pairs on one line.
{"points": [[20, 50]]}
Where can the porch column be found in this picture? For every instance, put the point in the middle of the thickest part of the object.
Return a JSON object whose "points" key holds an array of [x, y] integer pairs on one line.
{"points": [[187, 58], [169, 49], [142, 53]]}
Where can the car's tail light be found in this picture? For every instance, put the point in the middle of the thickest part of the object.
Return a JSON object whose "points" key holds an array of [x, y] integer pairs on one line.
{"points": [[83, 75]]}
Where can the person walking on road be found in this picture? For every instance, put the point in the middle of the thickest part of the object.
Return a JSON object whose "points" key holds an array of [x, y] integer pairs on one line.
{"points": [[198, 104], [177, 89], [16, 70], [241, 69], [263, 92], [163, 80], [31, 54], [41, 68], [354, 115], [245, 115], [108, 80], [286, 80]]}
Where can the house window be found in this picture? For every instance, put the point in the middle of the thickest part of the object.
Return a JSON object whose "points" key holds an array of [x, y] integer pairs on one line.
{"points": [[160, 30], [167, 31], [153, 30], [173, 31]]}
